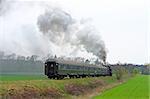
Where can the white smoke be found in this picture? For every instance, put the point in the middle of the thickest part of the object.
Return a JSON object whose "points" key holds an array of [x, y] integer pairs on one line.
{"points": [[55, 23], [61, 29], [91, 41], [18, 29], [4, 6], [27, 29]]}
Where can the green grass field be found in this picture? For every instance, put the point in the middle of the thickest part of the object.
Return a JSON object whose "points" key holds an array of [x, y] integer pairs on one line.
{"points": [[135, 88], [22, 77]]}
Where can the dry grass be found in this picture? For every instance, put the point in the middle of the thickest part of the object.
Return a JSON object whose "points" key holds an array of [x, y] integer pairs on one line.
{"points": [[54, 89]]}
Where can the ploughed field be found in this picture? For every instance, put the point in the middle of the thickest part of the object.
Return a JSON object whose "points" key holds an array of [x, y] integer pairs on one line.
{"points": [[136, 88]]}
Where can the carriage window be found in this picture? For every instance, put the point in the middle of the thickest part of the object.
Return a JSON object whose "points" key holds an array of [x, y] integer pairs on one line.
{"points": [[51, 65], [81, 67], [73, 67], [90, 68], [62, 66], [86, 68], [67, 66], [93, 68], [70, 67]]}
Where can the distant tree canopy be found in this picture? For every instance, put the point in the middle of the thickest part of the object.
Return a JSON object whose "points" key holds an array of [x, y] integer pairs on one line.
{"points": [[17, 64], [147, 64], [13, 56]]}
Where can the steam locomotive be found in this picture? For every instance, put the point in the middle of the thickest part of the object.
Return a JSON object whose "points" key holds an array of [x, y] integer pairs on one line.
{"points": [[59, 69]]}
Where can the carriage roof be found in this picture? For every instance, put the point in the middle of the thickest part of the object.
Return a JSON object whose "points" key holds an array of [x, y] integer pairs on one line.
{"points": [[69, 62]]}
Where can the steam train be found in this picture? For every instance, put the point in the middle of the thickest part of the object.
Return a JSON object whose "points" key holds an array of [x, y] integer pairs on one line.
{"points": [[59, 69]]}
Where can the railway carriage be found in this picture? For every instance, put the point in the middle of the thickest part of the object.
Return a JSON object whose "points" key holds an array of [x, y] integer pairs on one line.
{"points": [[60, 69]]}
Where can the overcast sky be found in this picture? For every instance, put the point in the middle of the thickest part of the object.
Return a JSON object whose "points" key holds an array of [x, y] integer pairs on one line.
{"points": [[123, 25]]}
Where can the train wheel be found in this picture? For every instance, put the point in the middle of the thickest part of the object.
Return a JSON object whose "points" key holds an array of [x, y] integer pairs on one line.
{"points": [[70, 76], [80, 76], [59, 77], [62, 77], [75, 76], [49, 77], [53, 77]]}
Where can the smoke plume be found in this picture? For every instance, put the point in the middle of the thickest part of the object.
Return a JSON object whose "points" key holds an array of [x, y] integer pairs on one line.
{"points": [[28, 29], [4, 6], [55, 23], [61, 28], [18, 30]]}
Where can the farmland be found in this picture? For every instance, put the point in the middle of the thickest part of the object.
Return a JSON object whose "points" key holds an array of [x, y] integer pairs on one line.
{"points": [[135, 88]]}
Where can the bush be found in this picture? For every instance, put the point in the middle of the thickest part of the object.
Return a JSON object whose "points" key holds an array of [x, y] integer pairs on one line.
{"points": [[120, 72], [135, 71]]}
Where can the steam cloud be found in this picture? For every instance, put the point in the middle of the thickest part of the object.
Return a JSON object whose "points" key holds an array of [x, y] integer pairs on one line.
{"points": [[4, 6], [61, 28], [27, 31], [55, 23]]}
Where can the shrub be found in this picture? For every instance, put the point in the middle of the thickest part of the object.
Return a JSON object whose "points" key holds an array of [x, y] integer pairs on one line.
{"points": [[120, 72], [135, 71]]}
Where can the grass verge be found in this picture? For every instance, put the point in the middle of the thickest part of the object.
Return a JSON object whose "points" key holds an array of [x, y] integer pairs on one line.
{"points": [[28, 87]]}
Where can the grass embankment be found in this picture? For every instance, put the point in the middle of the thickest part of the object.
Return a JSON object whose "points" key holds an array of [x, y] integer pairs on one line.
{"points": [[19, 87], [136, 88]]}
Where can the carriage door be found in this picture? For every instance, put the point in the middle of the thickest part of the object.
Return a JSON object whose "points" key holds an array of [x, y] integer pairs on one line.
{"points": [[52, 67], [49, 68]]}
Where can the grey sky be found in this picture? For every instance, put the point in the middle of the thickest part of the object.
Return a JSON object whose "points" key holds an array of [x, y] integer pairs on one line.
{"points": [[123, 25]]}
